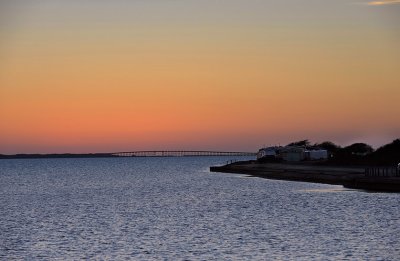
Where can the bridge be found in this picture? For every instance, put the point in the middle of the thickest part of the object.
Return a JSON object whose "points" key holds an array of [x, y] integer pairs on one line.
{"points": [[180, 153]]}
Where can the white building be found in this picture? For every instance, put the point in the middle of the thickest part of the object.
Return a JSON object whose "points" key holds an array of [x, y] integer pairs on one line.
{"points": [[292, 153], [316, 154], [269, 152]]}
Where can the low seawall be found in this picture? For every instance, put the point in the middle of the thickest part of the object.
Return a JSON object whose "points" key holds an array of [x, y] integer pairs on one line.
{"points": [[346, 176]]}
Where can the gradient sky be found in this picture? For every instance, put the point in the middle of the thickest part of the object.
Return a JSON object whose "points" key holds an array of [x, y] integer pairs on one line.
{"points": [[104, 76]]}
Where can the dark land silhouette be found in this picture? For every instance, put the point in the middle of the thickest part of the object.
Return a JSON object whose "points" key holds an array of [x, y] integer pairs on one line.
{"points": [[355, 166], [55, 156], [356, 154], [363, 154]]}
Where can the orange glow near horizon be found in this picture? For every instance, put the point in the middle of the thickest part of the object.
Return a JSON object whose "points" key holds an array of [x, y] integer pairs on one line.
{"points": [[86, 85]]}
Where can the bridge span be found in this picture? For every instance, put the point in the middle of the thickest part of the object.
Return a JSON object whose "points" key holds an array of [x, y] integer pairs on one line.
{"points": [[180, 153]]}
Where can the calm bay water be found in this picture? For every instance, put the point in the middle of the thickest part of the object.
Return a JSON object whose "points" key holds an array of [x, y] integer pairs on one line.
{"points": [[175, 209]]}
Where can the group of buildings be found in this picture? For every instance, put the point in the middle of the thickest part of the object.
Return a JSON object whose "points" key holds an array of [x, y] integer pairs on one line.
{"points": [[291, 154]]}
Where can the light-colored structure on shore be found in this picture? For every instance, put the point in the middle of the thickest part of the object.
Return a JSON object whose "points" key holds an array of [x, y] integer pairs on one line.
{"points": [[316, 154], [291, 154], [269, 152]]}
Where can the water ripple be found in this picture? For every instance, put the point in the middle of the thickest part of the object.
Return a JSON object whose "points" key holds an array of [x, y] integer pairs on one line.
{"points": [[172, 209]]}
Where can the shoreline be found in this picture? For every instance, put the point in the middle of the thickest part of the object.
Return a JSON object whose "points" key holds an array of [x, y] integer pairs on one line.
{"points": [[57, 156], [349, 177]]}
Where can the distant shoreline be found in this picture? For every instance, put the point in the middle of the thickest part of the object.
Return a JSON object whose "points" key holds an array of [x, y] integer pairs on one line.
{"points": [[151, 154], [57, 156]]}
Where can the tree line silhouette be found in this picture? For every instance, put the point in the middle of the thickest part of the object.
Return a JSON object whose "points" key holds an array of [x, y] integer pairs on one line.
{"points": [[356, 153]]}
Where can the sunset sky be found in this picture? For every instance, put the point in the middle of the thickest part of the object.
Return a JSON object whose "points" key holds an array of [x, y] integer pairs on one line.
{"points": [[107, 76]]}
